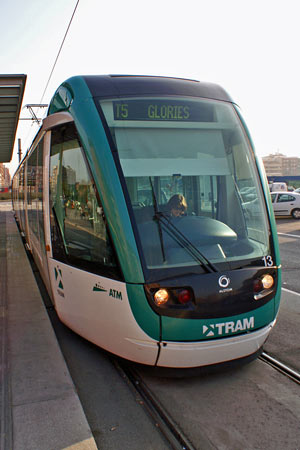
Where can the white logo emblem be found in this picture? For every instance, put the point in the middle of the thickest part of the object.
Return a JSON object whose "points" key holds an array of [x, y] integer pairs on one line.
{"points": [[224, 281], [219, 329]]}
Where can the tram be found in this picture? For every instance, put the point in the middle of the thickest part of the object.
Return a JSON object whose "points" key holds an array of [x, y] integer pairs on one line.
{"points": [[149, 217]]}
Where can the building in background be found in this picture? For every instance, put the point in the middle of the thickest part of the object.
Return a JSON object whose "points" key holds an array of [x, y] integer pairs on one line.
{"points": [[4, 177], [280, 165]]}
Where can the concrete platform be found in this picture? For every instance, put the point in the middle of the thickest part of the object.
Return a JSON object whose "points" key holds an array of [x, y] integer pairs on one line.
{"points": [[39, 406]]}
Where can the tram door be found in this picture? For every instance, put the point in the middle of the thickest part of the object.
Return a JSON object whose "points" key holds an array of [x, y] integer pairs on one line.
{"points": [[82, 265], [35, 206]]}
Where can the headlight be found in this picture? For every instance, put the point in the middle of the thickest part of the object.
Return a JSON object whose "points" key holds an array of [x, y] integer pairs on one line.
{"points": [[262, 286], [161, 297], [267, 281]]}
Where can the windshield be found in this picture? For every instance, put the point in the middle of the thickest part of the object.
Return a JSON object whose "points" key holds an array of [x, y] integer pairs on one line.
{"points": [[191, 179]]}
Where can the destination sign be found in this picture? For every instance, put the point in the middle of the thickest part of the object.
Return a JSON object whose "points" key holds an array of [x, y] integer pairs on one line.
{"points": [[163, 110]]}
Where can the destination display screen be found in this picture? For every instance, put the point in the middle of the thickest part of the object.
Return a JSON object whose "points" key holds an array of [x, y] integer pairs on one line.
{"points": [[163, 110]]}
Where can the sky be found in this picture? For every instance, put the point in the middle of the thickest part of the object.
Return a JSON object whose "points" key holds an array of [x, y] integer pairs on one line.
{"points": [[249, 47]]}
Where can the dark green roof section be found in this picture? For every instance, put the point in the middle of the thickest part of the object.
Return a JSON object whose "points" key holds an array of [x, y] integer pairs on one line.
{"points": [[112, 86], [11, 97]]}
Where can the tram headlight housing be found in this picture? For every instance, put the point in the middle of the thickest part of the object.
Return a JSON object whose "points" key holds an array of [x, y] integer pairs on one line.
{"points": [[262, 286], [179, 297]]}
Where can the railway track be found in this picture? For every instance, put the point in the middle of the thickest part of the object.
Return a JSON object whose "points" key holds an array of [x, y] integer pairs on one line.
{"points": [[161, 418], [280, 367]]}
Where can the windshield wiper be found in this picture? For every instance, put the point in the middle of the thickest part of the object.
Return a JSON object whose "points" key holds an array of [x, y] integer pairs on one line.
{"points": [[161, 239], [176, 234]]}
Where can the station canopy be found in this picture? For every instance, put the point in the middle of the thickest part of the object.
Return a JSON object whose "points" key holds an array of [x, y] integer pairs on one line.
{"points": [[11, 97]]}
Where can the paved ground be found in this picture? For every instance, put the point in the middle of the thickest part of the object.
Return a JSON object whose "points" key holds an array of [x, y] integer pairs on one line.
{"points": [[40, 408]]}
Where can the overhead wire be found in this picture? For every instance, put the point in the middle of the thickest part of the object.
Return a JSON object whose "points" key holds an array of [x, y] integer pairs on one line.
{"points": [[56, 59], [60, 49]]}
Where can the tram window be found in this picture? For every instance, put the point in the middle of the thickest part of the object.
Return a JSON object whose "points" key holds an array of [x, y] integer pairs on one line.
{"points": [[15, 185], [21, 195], [39, 186], [32, 200], [200, 192], [79, 232], [196, 148]]}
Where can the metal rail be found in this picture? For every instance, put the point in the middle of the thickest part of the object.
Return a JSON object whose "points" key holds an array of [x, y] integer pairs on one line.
{"points": [[161, 417], [281, 367]]}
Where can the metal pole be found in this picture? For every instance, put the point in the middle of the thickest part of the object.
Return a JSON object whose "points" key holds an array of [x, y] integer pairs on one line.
{"points": [[20, 150]]}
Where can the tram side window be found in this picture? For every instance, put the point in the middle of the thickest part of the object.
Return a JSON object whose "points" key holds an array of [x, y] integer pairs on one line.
{"points": [[32, 192], [39, 186], [15, 184], [22, 196], [79, 232]]}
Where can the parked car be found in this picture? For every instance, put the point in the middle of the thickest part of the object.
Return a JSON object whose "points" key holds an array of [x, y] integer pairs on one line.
{"points": [[297, 191], [286, 204]]}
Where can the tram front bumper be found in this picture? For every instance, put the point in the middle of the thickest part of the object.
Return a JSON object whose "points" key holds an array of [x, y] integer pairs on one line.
{"points": [[205, 353]]}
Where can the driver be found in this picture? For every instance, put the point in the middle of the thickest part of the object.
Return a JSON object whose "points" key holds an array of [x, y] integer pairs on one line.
{"points": [[177, 205]]}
